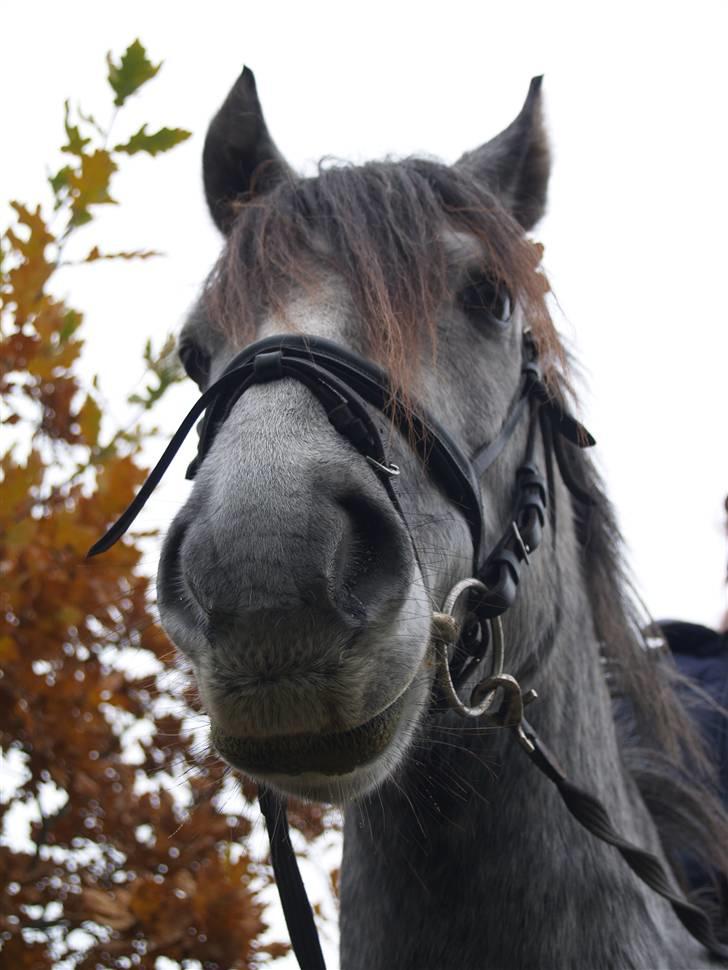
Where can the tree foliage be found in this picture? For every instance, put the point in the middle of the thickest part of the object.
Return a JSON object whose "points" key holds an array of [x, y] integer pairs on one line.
{"points": [[133, 852]]}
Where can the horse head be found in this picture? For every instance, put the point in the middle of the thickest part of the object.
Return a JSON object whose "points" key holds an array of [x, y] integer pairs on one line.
{"points": [[301, 596]]}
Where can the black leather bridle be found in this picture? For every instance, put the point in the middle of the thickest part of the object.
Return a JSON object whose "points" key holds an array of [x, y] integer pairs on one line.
{"points": [[344, 384]]}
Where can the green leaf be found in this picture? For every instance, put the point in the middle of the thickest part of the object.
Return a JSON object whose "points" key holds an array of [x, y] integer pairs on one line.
{"points": [[163, 365], [76, 142], [153, 142], [71, 322], [80, 218], [133, 70], [90, 120], [60, 181]]}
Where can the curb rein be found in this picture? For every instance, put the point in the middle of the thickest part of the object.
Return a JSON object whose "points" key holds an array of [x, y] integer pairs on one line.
{"points": [[342, 381]]}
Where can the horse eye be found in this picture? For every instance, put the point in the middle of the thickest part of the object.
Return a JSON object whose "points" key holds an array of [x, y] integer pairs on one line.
{"points": [[195, 361], [483, 296]]}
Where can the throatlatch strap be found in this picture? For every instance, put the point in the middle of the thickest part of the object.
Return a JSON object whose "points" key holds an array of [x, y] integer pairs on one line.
{"points": [[591, 814], [296, 907]]}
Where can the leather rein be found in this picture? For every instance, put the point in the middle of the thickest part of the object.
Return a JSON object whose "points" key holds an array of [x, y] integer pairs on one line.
{"points": [[344, 383]]}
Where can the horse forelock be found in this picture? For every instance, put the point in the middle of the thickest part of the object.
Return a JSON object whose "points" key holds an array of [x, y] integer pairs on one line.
{"points": [[382, 228]]}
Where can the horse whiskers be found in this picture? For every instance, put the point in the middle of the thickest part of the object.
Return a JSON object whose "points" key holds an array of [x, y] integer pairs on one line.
{"points": [[488, 766]]}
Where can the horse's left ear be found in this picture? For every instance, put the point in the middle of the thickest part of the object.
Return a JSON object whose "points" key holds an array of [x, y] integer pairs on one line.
{"points": [[515, 165], [239, 158]]}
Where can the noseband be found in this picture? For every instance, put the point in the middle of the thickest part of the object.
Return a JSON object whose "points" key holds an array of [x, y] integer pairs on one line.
{"points": [[344, 384]]}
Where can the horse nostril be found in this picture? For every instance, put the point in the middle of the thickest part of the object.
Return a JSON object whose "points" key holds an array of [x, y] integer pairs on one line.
{"points": [[373, 560]]}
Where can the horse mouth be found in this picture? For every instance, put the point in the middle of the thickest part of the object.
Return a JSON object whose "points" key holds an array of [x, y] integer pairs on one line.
{"points": [[335, 753]]}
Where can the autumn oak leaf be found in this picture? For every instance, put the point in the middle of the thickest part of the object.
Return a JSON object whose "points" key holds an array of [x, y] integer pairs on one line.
{"points": [[76, 142], [90, 186], [131, 72], [24, 282], [153, 142], [89, 421], [59, 182]]}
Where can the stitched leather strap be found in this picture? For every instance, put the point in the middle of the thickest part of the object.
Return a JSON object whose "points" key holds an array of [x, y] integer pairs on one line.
{"points": [[296, 907], [591, 814]]}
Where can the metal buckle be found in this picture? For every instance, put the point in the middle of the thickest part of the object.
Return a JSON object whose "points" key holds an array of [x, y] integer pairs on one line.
{"points": [[388, 469]]}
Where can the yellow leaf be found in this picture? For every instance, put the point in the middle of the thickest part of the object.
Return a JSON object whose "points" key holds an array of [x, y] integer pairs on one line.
{"points": [[89, 419], [90, 185]]}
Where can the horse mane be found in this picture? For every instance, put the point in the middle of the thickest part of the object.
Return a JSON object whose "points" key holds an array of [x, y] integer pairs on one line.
{"points": [[660, 744], [379, 227]]}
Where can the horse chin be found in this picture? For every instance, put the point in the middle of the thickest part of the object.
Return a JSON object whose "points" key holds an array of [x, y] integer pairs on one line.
{"points": [[335, 767]]}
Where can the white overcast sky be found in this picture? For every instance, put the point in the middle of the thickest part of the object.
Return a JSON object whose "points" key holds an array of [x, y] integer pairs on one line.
{"points": [[635, 235]]}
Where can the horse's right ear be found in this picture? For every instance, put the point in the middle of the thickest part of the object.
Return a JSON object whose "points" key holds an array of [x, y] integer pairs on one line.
{"points": [[239, 157], [515, 165]]}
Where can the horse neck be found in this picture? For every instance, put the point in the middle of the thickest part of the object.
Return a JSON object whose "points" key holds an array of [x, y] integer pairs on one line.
{"points": [[469, 859]]}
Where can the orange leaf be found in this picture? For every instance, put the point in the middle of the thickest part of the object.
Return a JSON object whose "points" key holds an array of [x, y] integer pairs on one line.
{"points": [[18, 480], [116, 485], [26, 280], [109, 909], [49, 318], [18, 535], [8, 650]]}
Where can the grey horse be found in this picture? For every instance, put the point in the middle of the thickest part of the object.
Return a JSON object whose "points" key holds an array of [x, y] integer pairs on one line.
{"points": [[304, 602]]}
